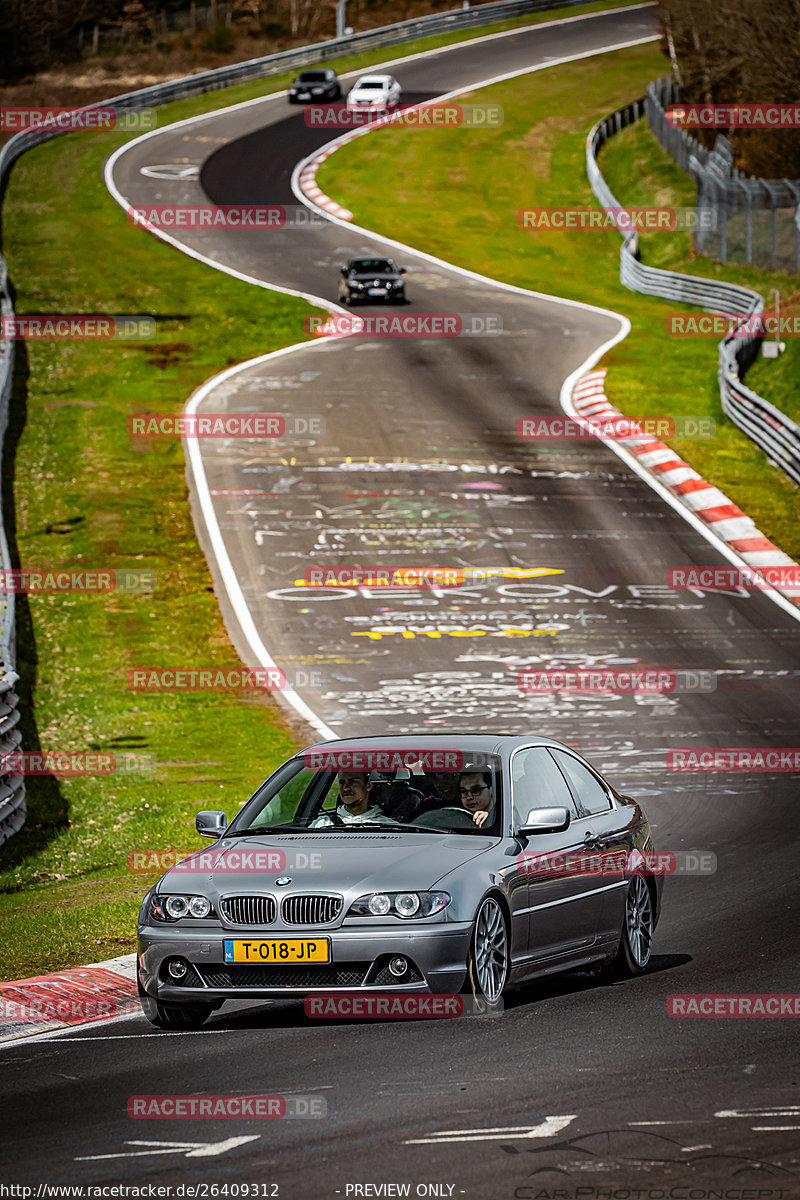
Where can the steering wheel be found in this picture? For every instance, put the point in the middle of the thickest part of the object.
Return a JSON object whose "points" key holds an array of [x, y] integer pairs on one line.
{"points": [[456, 818]]}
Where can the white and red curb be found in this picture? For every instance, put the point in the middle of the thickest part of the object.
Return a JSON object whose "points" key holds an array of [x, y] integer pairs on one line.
{"points": [[310, 188], [75, 996], [724, 518]]}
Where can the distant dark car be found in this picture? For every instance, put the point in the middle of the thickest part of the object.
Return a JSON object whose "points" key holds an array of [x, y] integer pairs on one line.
{"points": [[500, 883], [321, 84], [368, 279]]}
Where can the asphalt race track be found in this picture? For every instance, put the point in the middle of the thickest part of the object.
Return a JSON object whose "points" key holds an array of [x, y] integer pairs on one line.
{"points": [[577, 1085]]}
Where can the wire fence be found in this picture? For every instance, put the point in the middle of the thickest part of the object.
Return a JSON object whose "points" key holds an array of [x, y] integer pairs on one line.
{"points": [[766, 425], [754, 221]]}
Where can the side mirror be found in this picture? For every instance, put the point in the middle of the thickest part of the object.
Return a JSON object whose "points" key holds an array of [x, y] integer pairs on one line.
{"points": [[343, 270], [210, 824], [402, 270], [545, 820]]}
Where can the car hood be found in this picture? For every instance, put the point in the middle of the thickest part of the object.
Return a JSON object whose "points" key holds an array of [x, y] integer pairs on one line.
{"points": [[346, 862]]}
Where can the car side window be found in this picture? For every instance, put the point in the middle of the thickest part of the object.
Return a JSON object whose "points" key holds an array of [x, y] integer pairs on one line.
{"points": [[590, 793], [536, 782]]}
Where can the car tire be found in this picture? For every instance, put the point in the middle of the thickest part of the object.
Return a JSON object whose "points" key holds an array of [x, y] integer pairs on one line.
{"points": [[636, 937], [173, 1016], [489, 959]]}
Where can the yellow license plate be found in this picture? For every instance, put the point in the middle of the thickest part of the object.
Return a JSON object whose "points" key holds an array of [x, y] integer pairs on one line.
{"points": [[277, 950]]}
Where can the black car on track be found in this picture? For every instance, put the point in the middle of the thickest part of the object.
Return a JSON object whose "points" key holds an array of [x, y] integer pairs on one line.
{"points": [[320, 84], [372, 279]]}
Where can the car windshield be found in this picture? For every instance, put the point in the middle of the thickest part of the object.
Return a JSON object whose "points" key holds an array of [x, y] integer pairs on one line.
{"points": [[372, 266], [369, 85], [364, 791], [311, 77]]}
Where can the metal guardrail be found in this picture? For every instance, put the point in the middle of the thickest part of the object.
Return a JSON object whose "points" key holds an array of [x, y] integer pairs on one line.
{"points": [[12, 789], [766, 425], [755, 219]]}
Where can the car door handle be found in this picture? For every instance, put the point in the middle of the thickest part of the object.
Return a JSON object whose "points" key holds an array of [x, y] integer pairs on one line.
{"points": [[592, 840]]}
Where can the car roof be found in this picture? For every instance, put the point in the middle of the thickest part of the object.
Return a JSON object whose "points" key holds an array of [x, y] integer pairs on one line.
{"points": [[375, 79], [490, 743]]}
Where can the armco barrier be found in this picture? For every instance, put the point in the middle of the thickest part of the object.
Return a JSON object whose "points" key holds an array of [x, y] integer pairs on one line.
{"points": [[769, 428], [12, 789]]}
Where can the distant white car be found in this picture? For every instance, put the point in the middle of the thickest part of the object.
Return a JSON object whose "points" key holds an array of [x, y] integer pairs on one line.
{"points": [[374, 91]]}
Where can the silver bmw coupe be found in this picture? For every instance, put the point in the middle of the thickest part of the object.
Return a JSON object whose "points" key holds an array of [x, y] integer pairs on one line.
{"points": [[424, 864]]}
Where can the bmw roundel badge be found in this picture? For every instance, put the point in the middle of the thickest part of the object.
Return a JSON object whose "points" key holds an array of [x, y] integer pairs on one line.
{"points": [[283, 880]]}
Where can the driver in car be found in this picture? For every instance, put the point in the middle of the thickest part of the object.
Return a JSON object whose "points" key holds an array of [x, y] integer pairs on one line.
{"points": [[477, 795], [354, 807]]}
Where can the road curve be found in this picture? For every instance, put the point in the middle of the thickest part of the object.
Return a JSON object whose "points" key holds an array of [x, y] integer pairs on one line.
{"points": [[577, 1085]]}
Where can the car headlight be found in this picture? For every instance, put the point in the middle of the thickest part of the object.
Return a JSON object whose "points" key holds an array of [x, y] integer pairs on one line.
{"points": [[399, 904], [175, 907], [353, 283]]}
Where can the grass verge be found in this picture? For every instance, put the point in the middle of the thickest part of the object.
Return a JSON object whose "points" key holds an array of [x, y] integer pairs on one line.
{"points": [[462, 189]]}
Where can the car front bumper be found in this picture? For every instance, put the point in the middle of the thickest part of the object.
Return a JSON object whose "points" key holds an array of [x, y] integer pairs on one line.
{"points": [[358, 963]]}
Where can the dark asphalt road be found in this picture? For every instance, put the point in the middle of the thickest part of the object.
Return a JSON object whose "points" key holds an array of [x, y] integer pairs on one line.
{"points": [[420, 463]]}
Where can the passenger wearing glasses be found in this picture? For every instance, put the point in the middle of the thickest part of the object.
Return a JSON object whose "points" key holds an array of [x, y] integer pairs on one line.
{"points": [[477, 796]]}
